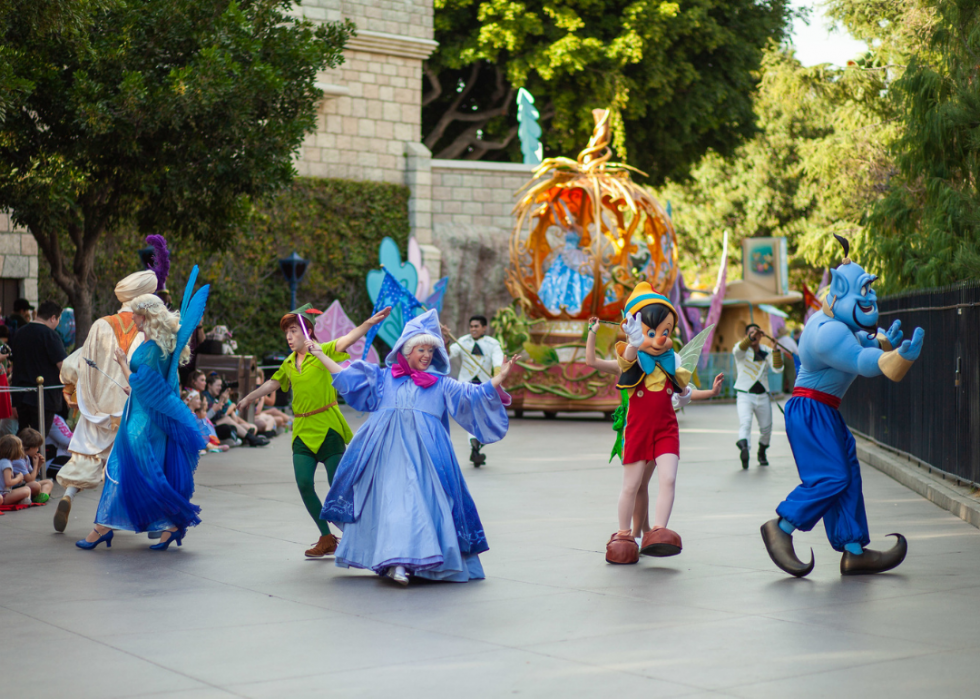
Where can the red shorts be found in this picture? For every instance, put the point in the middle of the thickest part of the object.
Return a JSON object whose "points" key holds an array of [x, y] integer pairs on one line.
{"points": [[651, 426]]}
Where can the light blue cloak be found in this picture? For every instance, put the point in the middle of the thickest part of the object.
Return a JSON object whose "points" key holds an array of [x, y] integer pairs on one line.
{"points": [[398, 494]]}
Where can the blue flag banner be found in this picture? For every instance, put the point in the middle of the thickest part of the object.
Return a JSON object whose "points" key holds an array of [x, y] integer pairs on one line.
{"points": [[438, 294], [403, 307]]}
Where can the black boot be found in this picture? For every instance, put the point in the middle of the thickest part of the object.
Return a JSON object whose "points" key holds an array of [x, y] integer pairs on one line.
{"points": [[476, 457], [779, 544], [874, 561], [743, 446], [254, 440], [763, 461]]}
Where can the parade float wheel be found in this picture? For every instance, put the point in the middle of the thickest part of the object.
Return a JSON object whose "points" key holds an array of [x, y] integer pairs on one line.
{"points": [[550, 414], [518, 414], [607, 416]]}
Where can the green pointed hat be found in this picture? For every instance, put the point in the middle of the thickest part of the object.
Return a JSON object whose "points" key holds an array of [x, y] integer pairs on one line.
{"points": [[306, 312]]}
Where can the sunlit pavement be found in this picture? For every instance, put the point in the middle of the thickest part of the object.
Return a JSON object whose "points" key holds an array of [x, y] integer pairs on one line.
{"points": [[238, 611]]}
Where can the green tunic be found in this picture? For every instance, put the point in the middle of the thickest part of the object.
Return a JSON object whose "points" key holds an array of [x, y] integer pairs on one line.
{"points": [[313, 389]]}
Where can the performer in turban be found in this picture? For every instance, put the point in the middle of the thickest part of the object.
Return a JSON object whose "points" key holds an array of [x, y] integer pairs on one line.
{"points": [[100, 402]]}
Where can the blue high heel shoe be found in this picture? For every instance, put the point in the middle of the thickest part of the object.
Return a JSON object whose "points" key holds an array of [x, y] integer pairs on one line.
{"points": [[89, 545], [177, 536]]}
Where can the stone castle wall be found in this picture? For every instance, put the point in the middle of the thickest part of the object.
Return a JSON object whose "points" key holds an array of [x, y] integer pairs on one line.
{"points": [[18, 261], [369, 128]]}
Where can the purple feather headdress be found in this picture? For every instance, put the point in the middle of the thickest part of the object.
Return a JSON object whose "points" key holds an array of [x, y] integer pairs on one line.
{"points": [[161, 259]]}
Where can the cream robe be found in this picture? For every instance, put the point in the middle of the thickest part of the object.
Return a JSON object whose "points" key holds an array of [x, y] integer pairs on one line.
{"points": [[100, 404]]}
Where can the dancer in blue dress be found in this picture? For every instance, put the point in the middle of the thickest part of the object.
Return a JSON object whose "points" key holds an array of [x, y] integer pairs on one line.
{"points": [[399, 495], [150, 473]]}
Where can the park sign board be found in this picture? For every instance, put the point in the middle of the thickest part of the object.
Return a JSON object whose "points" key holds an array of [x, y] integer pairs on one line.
{"points": [[766, 264]]}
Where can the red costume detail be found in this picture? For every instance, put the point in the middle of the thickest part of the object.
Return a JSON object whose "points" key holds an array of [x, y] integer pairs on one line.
{"points": [[651, 425], [819, 396]]}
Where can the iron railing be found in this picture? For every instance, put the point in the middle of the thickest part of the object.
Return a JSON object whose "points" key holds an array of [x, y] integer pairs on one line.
{"points": [[933, 414]]}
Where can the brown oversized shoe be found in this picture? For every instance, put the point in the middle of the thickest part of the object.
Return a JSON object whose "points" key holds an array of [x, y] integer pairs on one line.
{"points": [[622, 549], [661, 541], [779, 544], [61, 514], [871, 562], [324, 547]]}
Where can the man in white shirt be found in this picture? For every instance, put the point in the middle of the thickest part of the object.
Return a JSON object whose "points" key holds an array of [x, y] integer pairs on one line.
{"points": [[482, 358], [752, 364]]}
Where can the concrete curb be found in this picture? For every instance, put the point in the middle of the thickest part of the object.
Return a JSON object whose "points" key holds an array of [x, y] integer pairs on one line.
{"points": [[937, 490]]}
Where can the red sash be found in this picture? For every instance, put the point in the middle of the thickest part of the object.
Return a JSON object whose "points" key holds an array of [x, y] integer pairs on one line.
{"points": [[819, 396]]}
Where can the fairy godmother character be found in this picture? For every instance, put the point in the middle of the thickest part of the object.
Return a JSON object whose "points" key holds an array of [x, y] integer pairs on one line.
{"points": [[150, 473], [399, 495]]}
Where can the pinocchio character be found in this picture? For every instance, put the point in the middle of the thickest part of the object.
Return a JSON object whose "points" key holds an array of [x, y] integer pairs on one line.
{"points": [[651, 376]]}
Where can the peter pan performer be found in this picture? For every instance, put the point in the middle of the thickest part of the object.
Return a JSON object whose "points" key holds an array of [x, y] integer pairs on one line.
{"points": [[320, 432], [482, 359], [100, 401], [753, 364]]}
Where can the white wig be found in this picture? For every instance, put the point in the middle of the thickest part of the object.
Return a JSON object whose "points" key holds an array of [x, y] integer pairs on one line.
{"points": [[161, 324], [420, 339]]}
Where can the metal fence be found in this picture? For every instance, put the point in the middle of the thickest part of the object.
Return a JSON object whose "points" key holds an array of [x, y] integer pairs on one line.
{"points": [[933, 414]]}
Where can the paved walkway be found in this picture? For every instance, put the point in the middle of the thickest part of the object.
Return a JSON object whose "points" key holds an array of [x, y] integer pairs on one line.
{"points": [[238, 611]]}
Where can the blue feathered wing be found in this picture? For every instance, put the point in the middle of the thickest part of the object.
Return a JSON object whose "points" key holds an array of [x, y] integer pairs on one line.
{"points": [[191, 312]]}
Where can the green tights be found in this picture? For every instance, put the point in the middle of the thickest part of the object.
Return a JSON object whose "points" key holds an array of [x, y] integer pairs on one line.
{"points": [[304, 468]]}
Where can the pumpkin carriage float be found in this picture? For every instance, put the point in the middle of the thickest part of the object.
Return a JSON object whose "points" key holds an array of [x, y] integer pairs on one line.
{"points": [[585, 236]]}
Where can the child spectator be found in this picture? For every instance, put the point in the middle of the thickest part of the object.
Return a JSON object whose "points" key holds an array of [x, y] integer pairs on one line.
{"points": [[31, 465], [196, 404], [58, 439], [13, 488]]}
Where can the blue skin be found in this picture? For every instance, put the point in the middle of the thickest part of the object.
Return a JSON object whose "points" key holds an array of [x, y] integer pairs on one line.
{"points": [[834, 351]]}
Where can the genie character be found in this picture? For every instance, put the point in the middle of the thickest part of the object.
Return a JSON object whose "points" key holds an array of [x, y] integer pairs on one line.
{"points": [[837, 345]]}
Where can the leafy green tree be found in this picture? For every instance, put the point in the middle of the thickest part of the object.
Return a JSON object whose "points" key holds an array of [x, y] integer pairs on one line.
{"points": [[763, 189], [926, 231], [824, 158], [173, 115], [679, 76]]}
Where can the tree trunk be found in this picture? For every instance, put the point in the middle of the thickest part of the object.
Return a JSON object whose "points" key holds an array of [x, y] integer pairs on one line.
{"points": [[78, 282], [81, 302]]}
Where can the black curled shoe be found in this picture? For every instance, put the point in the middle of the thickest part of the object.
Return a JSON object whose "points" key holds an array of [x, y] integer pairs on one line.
{"points": [[743, 447], [779, 544], [875, 561], [763, 461]]}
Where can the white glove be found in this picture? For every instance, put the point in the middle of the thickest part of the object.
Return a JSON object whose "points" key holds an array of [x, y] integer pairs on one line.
{"points": [[679, 400], [634, 330]]}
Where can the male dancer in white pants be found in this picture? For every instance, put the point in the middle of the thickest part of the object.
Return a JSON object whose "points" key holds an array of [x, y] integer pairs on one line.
{"points": [[100, 400], [752, 365], [482, 358]]}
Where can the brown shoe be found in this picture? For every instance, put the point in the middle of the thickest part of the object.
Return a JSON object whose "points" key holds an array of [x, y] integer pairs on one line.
{"points": [[661, 541], [324, 547], [622, 549], [61, 514]]}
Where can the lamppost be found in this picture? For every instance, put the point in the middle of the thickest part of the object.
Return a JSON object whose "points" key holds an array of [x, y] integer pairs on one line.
{"points": [[293, 269]]}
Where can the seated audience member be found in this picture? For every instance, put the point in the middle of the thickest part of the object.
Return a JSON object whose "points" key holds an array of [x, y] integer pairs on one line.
{"points": [[13, 486], [267, 406], [220, 411], [31, 465], [57, 441], [196, 405]]}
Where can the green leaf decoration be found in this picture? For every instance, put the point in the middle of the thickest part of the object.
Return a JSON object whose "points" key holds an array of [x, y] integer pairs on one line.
{"points": [[544, 355]]}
